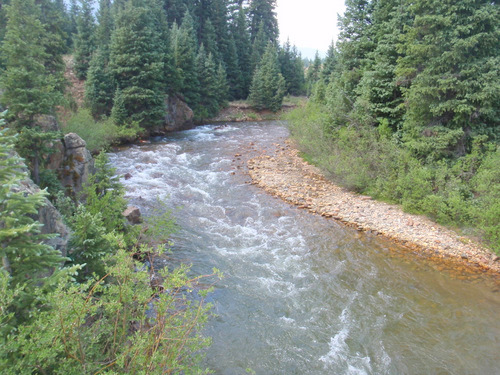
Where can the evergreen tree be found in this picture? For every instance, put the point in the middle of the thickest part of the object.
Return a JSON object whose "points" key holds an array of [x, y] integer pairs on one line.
{"points": [[243, 51], [313, 73], [104, 28], [330, 63], [85, 43], [54, 41], [263, 19], [291, 69], [25, 258], [258, 48], [136, 60], [100, 84], [268, 85], [29, 89], [451, 70], [184, 46], [380, 99], [209, 40], [208, 105], [222, 86], [175, 9]]}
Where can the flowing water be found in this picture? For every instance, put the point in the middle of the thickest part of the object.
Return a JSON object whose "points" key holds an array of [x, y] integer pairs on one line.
{"points": [[303, 294]]}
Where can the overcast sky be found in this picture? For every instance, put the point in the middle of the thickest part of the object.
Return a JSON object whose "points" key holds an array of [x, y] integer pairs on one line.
{"points": [[310, 24]]}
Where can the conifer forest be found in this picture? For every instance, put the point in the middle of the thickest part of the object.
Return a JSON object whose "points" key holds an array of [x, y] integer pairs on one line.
{"points": [[404, 107]]}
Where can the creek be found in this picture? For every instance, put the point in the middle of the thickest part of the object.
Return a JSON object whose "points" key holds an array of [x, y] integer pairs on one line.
{"points": [[302, 294]]}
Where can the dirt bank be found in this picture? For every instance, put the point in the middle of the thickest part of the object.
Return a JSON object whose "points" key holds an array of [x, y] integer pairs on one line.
{"points": [[284, 174]]}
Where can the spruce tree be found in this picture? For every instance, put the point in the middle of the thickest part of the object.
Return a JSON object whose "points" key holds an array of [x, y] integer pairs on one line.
{"points": [[313, 73], [184, 47], [29, 88], [243, 51], [330, 63], [136, 60], [263, 19], [25, 258], [100, 84], [208, 105], [291, 69], [268, 85], [84, 42], [450, 70]]}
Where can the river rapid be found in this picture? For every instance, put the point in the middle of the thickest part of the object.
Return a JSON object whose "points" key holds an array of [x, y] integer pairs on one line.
{"points": [[302, 294]]}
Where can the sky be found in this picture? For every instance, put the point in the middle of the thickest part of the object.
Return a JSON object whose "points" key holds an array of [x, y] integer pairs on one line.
{"points": [[310, 24]]}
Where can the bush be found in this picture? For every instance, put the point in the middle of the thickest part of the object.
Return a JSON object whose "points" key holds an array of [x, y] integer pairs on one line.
{"points": [[458, 191], [114, 325], [99, 134]]}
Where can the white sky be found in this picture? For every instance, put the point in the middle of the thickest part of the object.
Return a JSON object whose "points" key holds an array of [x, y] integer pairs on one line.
{"points": [[310, 24]]}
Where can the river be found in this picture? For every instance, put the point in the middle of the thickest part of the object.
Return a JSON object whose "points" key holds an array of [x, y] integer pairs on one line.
{"points": [[302, 294]]}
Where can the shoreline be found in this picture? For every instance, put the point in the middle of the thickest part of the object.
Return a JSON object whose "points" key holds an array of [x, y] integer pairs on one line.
{"points": [[284, 174]]}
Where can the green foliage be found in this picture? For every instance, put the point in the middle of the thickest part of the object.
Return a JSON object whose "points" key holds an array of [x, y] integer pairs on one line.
{"points": [[104, 195], [99, 135], [30, 87], [137, 61], [35, 145], [115, 325], [84, 41], [100, 85], [268, 85], [463, 192], [25, 258], [184, 45], [292, 69]]}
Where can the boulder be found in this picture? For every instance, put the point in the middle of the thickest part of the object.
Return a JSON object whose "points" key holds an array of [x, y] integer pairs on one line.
{"points": [[133, 215], [77, 164], [178, 114]]}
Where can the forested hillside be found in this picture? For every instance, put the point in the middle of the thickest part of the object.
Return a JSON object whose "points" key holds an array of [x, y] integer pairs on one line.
{"points": [[134, 53], [406, 107]]}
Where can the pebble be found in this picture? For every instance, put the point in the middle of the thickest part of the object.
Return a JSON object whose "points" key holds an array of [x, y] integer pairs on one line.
{"points": [[284, 174]]}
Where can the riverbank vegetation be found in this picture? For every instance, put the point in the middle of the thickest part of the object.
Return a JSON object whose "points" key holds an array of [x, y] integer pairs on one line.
{"points": [[96, 309], [406, 108]]}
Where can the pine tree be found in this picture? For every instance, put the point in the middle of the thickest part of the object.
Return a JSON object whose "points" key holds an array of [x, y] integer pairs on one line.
{"points": [[291, 69], [450, 70], [208, 105], [243, 51], [268, 85], [29, 88], [85, 43], [184, 46], [313, 73], [100, 84], [25, 258], [136, 60], [263, 19], [330, 63], [104, 28], [222, 86], [258, 48]]}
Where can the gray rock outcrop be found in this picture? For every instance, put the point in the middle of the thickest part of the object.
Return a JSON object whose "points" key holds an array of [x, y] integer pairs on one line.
{"points": [[48, 216], [178, 114], [72, 162]]}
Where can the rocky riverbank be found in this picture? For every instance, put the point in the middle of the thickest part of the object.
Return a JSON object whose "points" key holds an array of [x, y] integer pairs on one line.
{"points": [[283, 173]]}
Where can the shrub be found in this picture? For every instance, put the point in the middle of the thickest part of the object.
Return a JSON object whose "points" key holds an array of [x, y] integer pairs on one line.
{"points": [[99, 134], [114, 325]]}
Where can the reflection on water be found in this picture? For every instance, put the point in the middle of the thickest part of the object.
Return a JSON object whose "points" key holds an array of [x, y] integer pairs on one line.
{"points": [[303, 294]]}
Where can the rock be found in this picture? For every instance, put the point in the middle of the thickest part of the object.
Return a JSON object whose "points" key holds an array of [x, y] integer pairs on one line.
{"points": [[77, 165], [47, 123], [127, 176], [179, 116], [49, 217], [133, 215]]}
